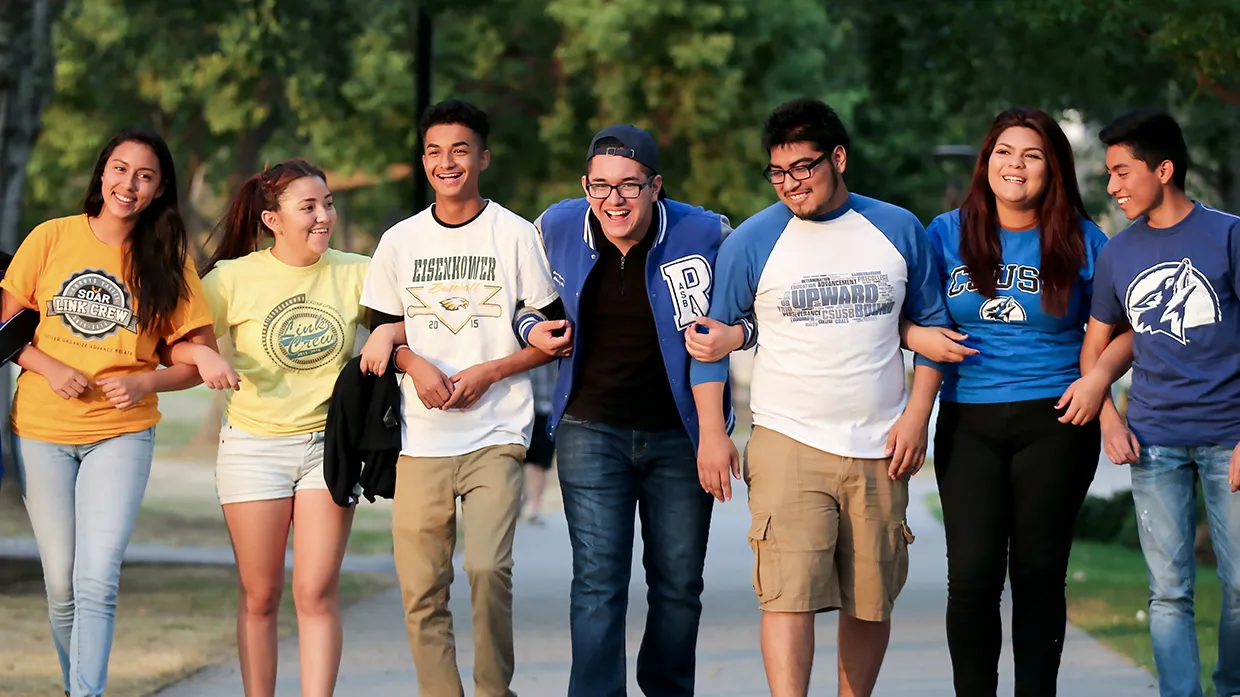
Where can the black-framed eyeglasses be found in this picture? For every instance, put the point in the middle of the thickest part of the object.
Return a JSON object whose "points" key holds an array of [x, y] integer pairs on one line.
{"points": [[799, 172], [599, 190]]}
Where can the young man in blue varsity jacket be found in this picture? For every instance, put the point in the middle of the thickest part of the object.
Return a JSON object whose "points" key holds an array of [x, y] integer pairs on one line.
{"points": [[634, 270]]}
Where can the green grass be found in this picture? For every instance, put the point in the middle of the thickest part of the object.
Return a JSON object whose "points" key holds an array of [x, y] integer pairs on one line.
{"points": [[935, 506], [183, 415], [1108, 596], [171, 621], [1108, 587], [173, 434]]}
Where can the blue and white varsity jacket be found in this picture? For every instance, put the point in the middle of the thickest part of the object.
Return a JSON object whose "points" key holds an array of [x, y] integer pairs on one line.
{"points": [[679, 280]]}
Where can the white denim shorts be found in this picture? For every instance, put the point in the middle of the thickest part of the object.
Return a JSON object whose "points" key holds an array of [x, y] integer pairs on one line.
{"points": [[261, 468]]}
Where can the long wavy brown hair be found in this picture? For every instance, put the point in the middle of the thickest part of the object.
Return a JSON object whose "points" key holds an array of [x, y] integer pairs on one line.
{"points": [[1059, 214]]}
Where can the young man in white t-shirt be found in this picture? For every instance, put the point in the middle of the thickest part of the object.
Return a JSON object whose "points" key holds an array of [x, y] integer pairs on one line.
{"points": [[827, 276], [444, 285]]}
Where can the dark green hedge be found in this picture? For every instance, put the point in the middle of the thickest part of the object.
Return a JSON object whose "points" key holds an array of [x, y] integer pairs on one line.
{"points": [[1114, 519]]}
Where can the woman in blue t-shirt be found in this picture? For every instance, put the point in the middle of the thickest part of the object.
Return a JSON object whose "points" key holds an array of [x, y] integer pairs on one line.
{"points": [[1017, 264]]}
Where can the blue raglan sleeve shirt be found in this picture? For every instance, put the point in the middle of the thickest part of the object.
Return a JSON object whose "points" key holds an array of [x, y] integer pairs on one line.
{"points": [[923, 295], [731, 301], [738, 267]]}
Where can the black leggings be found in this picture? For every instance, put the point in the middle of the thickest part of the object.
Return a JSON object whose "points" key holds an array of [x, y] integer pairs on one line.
{"points": [[1011, 477]]}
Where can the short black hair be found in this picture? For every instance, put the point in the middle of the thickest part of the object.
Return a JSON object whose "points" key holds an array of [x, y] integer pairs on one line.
{"points": [[1154, 137], [804, 121], [456, 111]]}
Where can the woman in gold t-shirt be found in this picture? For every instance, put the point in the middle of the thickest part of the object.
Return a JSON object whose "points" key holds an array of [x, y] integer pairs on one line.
{"points": [[291, 312], [111, 285]]}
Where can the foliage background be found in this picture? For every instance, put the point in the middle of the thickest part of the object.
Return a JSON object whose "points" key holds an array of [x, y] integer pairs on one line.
{"points": [[234, 84]]}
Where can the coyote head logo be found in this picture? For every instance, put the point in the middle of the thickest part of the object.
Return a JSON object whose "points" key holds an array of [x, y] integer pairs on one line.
{"points": [[1003, 309], [1170, 299]]}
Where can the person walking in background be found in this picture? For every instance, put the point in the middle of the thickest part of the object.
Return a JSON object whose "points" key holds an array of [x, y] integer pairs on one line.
{"points": [[112, 285], [291, 312], [634, 269], [1016, 262], [1172, 276], [445, 286], [541, 454]]}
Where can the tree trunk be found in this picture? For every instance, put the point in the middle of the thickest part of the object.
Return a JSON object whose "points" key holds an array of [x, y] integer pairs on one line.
{"points": [[251, 141], [249, 146], [26, 84]]}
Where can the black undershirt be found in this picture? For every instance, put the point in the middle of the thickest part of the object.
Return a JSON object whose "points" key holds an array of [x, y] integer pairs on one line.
{"points": [[622, 381]]}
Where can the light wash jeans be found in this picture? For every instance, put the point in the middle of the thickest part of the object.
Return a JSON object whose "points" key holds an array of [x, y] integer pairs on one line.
{"points": [[82, 501], [1164, 491]]}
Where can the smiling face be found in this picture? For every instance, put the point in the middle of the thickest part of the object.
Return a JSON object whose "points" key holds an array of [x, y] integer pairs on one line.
{"points": [[1017, 169], [454, 158], [304, 221], [1136, 188], [621, 218], [818, 194], [131, 180]]}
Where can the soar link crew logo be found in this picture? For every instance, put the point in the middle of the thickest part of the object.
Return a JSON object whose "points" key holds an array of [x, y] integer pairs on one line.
{"points": [[303, 335], [93, 304]]}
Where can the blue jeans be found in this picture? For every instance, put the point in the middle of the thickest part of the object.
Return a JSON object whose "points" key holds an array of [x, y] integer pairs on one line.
{"points": [[605, 473], [1165, 494], [82, 501]]}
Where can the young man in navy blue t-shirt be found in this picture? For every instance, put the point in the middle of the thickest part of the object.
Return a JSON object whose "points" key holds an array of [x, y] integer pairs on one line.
{"points": [[1173, 277]]}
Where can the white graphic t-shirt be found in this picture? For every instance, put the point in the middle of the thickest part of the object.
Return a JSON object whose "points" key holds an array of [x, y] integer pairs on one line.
{"points": [[457, 287], [827, 295]]}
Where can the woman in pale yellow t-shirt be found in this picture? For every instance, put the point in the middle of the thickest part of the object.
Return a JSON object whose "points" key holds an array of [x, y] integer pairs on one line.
{"points": [[291, 312], [111, 286]]}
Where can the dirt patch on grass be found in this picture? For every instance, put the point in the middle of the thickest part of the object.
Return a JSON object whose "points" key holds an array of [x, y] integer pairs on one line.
{"points": [[171, 621]]}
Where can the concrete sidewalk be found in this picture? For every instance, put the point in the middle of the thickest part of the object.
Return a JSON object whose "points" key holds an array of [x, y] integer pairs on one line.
{"points": [[377, 662]]}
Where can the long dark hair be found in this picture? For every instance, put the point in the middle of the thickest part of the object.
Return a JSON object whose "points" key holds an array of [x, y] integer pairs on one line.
{"points": [[1059, 214], [158, 246], [242, 226]]}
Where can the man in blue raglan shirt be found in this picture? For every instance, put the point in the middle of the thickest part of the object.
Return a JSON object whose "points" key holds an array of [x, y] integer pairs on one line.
{"points": [[634, 270], [826, 276], [1173, 276]]}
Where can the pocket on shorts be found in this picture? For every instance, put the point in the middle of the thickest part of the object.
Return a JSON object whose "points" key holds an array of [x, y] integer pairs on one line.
{"points": [[901, 536], [767, 576]]}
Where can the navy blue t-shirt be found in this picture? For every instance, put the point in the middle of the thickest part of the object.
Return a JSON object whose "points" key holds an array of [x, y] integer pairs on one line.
{"points": [[1176, 286], [1025, 352]]}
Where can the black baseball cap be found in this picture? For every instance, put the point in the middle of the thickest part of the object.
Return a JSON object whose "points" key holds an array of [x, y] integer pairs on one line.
{"points": [[627, 140]]}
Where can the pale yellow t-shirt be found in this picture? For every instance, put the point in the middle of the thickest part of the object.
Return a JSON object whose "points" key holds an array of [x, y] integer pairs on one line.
{"points": [[88, 321], [292, 329]]}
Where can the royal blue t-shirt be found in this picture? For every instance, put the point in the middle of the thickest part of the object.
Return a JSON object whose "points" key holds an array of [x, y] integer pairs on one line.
{"points": [[1025, 352], [1176, 286]]}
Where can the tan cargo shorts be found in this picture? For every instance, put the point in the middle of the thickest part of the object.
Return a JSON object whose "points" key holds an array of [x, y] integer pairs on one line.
{"points": [[828, 532]]}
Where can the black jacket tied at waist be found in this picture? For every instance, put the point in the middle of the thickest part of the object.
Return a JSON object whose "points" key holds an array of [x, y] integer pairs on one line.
{"points": [[362, 439]]}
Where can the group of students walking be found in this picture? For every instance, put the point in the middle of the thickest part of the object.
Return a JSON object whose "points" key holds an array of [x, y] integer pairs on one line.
{"points": [[1020, 312]]}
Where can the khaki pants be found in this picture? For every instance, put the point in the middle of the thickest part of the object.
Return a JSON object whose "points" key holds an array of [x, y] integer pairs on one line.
{"points": [[489, 482]]}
